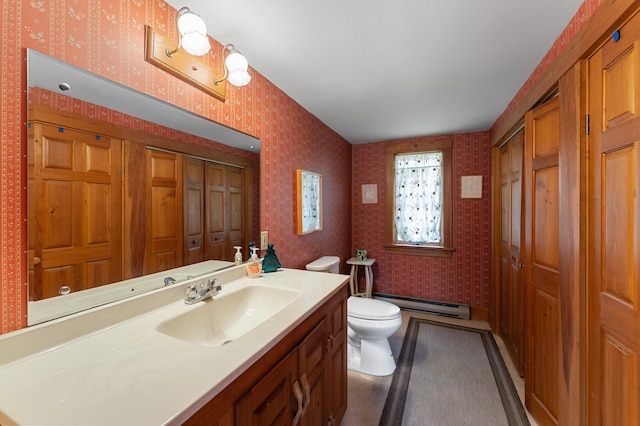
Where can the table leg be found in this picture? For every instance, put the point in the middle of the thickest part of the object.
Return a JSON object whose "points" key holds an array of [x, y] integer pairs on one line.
{"points": [[369, 280], [352, 280]]}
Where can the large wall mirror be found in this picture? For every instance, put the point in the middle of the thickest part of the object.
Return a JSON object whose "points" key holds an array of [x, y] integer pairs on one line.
{"points": [[111, 207]]}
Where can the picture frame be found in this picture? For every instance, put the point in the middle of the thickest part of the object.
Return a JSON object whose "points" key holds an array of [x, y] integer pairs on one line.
{"points": [[471, 187], [370, 193], [308, 202]]}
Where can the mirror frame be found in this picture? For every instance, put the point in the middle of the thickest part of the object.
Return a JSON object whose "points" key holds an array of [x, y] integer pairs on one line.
{"points": [[308, 202]]}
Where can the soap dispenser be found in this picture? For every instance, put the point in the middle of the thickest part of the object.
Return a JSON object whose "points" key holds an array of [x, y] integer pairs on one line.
{"points": [[238, 256], [253, 266]]}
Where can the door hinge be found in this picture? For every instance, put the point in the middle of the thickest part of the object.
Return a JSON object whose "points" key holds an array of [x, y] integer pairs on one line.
{"points": [[587, 122]]}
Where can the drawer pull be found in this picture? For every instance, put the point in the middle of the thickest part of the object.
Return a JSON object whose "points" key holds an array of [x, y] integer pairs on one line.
{"points": [[307, 393], [298, 394]]}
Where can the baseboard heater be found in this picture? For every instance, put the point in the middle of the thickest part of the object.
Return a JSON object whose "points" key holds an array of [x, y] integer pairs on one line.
{"points": [[434, 307]]}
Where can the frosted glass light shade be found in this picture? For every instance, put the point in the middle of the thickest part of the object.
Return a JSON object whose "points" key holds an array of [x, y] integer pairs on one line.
{"points": [[239, 78], [193, 33], [237, 66], [236, 62], [195, 44]]}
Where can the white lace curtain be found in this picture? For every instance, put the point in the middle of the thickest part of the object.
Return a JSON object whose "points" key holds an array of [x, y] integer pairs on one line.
{"points": [[418, 203]]}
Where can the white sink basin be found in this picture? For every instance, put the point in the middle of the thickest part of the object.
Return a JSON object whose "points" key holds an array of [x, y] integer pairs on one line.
{"points": [[226, 317]]}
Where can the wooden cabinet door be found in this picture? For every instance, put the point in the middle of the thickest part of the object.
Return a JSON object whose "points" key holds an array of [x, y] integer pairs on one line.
{"points": [[312, 375], [164, 211], [271, 400], [542, 259], [511, 256], [614, 219], [337, 362], [75, 205]]}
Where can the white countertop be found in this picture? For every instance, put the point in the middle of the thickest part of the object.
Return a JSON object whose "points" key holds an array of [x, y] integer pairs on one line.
{"points": [[111, 366]]}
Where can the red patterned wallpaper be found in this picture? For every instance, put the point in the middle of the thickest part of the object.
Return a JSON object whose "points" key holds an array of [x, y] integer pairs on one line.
{"points": [[463, 278], [107, 38]]}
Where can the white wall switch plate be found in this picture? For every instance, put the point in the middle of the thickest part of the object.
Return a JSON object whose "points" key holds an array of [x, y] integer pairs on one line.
{"points": [[264, 240]]}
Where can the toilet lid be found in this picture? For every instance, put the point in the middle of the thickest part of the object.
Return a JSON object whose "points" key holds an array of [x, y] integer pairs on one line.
{"points": [[360, 307], [323, 264]]}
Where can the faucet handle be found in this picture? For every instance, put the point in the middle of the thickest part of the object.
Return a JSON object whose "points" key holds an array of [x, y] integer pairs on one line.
{"points": [[191, 293], [213, 284]]}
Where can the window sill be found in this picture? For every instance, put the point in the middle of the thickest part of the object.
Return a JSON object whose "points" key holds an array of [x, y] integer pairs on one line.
{"points": [[410, 250]]}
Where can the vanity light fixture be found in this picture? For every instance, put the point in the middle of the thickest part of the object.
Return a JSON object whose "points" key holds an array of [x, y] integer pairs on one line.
{"points": [[180, 61], [193, 34]]}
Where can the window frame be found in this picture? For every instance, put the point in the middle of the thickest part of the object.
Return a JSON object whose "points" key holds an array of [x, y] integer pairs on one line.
{"points": [[445, 249]]}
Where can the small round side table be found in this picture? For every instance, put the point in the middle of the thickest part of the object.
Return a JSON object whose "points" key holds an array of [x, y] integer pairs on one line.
{"points": [[368, 273]]}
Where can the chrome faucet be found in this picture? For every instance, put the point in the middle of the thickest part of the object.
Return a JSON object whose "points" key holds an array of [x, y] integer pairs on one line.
{"points": [[168, 281], [201, 291]]}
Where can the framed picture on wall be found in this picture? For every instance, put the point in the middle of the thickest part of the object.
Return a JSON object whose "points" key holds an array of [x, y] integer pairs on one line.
{"points": [[308, 202], [370, 193], [471, 187]]}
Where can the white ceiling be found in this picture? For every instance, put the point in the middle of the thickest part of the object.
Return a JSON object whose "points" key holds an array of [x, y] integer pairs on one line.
{"points": [[375, 71]]}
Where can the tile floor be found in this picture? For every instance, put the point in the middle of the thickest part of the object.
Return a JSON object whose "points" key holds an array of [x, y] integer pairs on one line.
{"points": [[367, 394]]}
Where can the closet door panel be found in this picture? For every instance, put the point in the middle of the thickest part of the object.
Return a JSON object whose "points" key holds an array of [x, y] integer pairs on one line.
{"points": [[75, 208], [165, 213], [511, 301], [542, 195], [193, 210], [614, 213]]}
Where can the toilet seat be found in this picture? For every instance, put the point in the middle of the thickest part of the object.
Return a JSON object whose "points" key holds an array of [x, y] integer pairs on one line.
{"points": [[371, 309]]}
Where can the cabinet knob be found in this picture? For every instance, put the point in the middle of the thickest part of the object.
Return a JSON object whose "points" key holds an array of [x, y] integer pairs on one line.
{"points": [[332, 420], [330, 341]]}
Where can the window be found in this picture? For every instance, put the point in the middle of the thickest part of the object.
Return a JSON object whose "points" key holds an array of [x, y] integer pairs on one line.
{"points": [[419, 185]]}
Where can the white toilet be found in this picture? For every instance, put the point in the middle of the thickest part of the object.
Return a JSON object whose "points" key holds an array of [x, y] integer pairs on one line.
{"points": [[370, 322]]}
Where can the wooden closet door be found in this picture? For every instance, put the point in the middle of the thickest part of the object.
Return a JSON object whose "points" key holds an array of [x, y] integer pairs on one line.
{"points": [[216, 216], [237, 209], [225, 211], [164, 211], [542, 259], [193, 210], [614, 218], [75, 206], [511, 231]]}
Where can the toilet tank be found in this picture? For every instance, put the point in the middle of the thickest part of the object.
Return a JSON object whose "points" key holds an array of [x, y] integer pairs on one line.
{"points": [[329, 264]]}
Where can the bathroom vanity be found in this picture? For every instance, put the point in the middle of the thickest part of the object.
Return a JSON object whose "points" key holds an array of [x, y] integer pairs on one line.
{"points": [[271, 349]]}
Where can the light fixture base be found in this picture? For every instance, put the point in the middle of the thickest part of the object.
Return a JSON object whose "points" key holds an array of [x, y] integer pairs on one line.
{"points": [[185, 67]]}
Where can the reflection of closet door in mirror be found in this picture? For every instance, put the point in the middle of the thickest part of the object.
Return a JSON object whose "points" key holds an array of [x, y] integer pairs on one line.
{"points": [[225, 210], [164, 211], [193, 169], [237, 210], [75, 204]]}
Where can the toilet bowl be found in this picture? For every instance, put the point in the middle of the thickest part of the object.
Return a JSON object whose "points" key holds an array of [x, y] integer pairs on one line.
{"points": [[370, 322]]}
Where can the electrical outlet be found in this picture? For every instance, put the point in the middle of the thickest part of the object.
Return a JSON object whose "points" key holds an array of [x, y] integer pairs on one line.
{"points": [[264, 240]]}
